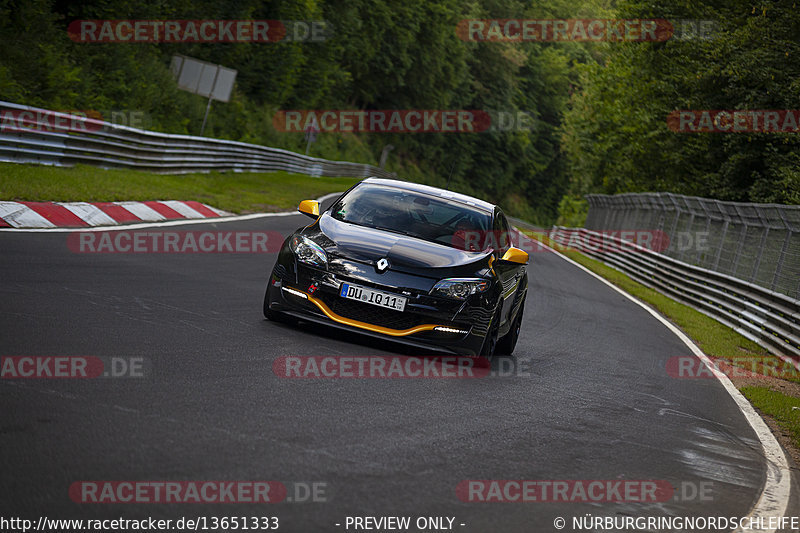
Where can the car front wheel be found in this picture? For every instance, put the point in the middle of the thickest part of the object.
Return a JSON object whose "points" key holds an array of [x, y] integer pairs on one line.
{"points": [[507, 344], [490, 341], [274, 316]]}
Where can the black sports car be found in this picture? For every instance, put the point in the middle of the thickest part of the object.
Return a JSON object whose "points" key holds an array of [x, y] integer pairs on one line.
{"points": [[412, 263]]}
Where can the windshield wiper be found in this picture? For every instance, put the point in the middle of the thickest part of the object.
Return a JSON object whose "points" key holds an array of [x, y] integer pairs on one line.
{"points": [[401, 232], [383, 228]]}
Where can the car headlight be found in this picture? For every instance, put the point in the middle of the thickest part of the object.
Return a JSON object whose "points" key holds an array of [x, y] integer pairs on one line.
{"points": [[460, 288], [307, 251]]}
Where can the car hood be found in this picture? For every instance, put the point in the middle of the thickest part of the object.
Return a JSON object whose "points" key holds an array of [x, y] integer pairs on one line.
{"points": [[342, 240]]}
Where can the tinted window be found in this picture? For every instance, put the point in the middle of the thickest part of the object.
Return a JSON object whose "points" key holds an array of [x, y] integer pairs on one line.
{"points": [[502, 236], [420, 215]]}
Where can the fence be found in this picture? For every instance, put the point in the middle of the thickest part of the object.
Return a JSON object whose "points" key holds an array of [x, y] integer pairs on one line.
{"points": [[757, 243], [24, 139], [764, 316]]}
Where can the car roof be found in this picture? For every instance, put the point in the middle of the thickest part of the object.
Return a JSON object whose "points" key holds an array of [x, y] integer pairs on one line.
{"points": [[434, 191]]}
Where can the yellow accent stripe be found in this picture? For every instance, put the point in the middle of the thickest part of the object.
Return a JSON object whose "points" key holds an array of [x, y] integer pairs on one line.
{"points": [[370, 327]]}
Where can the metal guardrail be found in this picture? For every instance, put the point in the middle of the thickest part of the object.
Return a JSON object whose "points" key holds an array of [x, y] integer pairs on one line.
{"points": [[104, 144], [759, 243], [768, 318]]}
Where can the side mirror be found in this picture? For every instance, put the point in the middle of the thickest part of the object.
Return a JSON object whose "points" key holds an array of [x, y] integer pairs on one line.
{"points": [[515, 255], [310, 208]]}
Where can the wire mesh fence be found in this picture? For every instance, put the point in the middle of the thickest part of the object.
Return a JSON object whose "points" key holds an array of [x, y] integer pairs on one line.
{"points": [[758, 243]]}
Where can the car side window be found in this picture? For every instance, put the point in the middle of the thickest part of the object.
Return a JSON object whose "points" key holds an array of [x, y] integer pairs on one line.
{"points": [[501, 234], [506, 235]]}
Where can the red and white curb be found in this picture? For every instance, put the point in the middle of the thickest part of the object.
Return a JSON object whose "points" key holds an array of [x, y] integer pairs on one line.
{"points": [[84, 214]]}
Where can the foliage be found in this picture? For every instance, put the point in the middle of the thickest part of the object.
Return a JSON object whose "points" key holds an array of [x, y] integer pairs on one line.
{"points": [[597, 111], [615, 132]]}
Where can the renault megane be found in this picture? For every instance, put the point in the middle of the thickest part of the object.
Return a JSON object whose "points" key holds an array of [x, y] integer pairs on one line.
{"points": [[407, 262]]}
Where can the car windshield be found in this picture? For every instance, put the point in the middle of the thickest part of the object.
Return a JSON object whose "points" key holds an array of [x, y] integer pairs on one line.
{"points": [[431, 218]]}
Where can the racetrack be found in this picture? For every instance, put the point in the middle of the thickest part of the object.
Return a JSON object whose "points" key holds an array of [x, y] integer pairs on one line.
{"points": [[590, 399]]}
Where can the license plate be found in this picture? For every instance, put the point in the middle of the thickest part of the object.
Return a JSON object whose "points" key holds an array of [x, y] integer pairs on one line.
{"points": [[371, 296]]}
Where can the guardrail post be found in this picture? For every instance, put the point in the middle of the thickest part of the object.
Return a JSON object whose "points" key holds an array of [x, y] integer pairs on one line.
{"points": [[764, 235], [609, 213], [742, 238], [708, 230], [757, 262], [781, 258], [721, 242], [691, 224], [675, 220], [784, 248]]}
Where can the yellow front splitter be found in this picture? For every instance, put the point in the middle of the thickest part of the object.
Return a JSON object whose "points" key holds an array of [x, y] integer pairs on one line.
{"points": [[364, 325]]}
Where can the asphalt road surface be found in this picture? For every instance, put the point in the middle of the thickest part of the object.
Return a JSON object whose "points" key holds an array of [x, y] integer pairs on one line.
{"points": [[587, 398]]}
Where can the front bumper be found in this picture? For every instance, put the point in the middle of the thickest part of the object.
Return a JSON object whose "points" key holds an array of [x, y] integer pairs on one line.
{"points": [[428, 322]]}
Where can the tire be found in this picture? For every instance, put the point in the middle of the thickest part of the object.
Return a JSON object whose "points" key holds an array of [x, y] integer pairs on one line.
{"points": [[275, 316], [506, 345], [489, 347]]}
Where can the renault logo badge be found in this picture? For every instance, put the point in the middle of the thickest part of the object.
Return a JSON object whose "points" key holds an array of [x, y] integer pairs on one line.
{"points": [[382, 264]]}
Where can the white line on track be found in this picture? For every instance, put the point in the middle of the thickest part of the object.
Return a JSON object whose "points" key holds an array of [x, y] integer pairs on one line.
{"points": [[774, 498]]}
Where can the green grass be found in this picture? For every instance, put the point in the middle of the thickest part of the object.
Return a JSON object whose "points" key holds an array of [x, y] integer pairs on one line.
{"points": [[237, 192], [778, 406]]}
